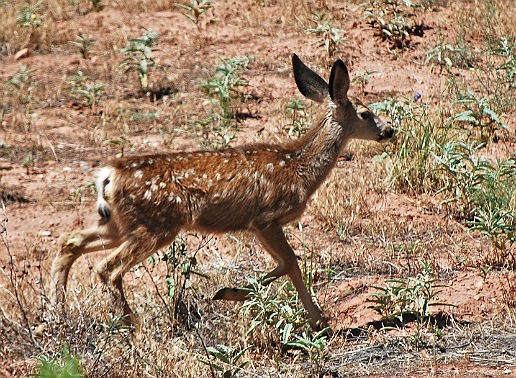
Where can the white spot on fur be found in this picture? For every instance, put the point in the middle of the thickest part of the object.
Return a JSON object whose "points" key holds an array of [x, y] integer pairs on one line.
{"points": [[134, 165], [147, 195], [287, 156], [150, 161], [282, 163], [178, 199], [217, 177], [270, 167], [162, 185], [138, 174]]}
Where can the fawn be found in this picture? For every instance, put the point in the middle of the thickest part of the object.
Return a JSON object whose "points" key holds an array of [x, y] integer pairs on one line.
{"points": [[144, 201]]}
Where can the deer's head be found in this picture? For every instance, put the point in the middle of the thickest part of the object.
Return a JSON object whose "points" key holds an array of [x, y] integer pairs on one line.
{"points": [[348, 112]]}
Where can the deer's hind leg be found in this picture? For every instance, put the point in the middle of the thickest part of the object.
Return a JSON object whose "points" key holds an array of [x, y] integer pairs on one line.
{"points": [[71, 246], [135, 249]]}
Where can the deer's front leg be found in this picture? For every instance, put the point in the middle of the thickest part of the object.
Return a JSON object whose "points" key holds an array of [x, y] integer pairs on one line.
{"points": [[276, 244]]}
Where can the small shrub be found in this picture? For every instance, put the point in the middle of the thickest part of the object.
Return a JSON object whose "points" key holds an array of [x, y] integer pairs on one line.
{"points": [[329, 37], [139, 57], [65, 365]]}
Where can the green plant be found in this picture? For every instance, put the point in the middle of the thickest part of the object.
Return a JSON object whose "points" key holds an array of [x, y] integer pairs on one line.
{"points": [[363, 79], [180, 264], [392, 24], [447, 56], [480, 114], [89, 92], [225, 360], [23, 84], [29, 16], [83, 43], [417, 133], [415, 295], [486, 192], [224, 91], [298, 119], [64, 365], [224, 86], [195, 9], [506, 47], [329, 37], [139, 57], [315, 346]]}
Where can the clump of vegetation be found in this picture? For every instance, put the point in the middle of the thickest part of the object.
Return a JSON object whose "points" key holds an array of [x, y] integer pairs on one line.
{"points": [[393, 23], [86, 91], [328, 36], [19, 106], [298, 121], [64, 365], [195, 9], [225, 95], [224, 361], [139, 57], [83, 43]]}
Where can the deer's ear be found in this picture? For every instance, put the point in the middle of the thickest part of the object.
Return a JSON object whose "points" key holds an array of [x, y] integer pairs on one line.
{"points": [[339, 82], [310, 84]]}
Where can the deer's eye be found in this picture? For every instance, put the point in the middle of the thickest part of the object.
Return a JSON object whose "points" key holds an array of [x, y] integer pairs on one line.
{"points": [[365, 115]]}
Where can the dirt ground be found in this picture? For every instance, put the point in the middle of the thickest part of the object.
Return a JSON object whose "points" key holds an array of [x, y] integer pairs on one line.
{"points": [[49, 155]]}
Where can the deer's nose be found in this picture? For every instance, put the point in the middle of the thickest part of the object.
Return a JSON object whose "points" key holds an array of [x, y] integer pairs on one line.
{"points": [[387, 133]]}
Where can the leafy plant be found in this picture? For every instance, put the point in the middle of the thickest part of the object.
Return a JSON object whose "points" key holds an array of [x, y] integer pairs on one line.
{"points": [[486, 192], [139, 57], [29, 16], [410, 155], [447, 55], [392, 24], [224, 91], [195, 9], [329, 37], [480, 114], [22, 83], [298, 119], [224, 86], [83, 43], [315, 346], [65, 365], [89, 92], [415, 295], [225, 360]]}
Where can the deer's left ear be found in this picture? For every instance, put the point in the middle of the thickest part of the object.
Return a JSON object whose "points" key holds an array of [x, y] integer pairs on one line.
{"points": [[339, 82]]}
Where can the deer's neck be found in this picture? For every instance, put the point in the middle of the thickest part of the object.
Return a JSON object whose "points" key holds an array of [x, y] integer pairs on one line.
{"points": [[318, 150]]}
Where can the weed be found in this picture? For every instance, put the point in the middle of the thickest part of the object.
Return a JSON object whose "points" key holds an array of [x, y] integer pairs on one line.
{"points": [[485, 192], [224, 93], [447, 55], [480, 114], [415, 296], [223, 87], [83, 43], [195, 9], [363, 79], [417, 134], [298, 119], [393, 25], [225, 360], [88, 92], [316, 348], [329, 37], [65, 365], [30, 16], [139, 57]]}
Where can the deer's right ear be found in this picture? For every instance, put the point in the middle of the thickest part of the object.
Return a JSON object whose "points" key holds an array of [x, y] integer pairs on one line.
{"points": [[339, 82], [310, 84]]}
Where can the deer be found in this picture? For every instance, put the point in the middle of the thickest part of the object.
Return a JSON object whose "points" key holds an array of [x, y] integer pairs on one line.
{"points": [[144, 201]]}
